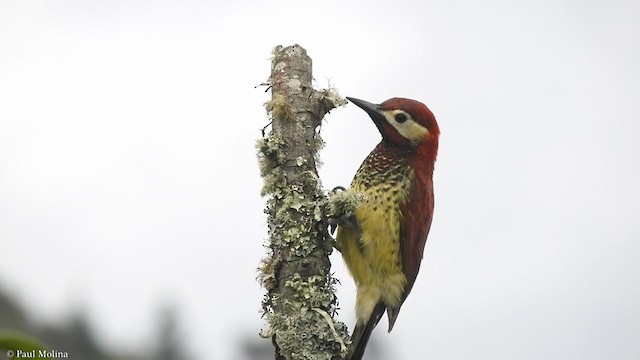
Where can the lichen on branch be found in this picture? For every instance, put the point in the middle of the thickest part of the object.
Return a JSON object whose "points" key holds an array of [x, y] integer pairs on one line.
{"points": [[300, 304]]}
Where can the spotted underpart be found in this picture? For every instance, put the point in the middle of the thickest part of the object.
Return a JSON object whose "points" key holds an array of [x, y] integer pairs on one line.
{"points": [[374, 259], [392, 225]]}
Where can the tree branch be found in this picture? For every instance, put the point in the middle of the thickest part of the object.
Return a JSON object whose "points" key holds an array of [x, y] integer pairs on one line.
{"points": [[300, 304]]}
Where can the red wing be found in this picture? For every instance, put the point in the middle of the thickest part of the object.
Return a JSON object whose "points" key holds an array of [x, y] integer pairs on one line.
{"points": [[417, 214]]}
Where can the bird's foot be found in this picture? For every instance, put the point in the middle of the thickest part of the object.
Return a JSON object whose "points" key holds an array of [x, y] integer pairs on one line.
{"points": [[341, 210]]}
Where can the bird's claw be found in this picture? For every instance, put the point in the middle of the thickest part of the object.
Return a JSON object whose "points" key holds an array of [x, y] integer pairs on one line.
{"points": [[341, 212], [346, 221], [332, 223]]}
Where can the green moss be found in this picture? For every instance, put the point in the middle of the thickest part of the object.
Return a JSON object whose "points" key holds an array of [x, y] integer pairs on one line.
{"points": [[331, 94], [311, 290], [267, 272], [270, 153], [309, 327], [279, 108], [318, 144], [295, 211], [307, 335]]}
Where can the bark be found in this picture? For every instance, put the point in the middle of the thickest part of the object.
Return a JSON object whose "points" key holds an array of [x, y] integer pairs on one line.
{"points": [[300, 303]]}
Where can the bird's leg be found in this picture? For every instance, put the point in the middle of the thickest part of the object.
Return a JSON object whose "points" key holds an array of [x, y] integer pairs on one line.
{"points": [[341, 210], [333, 222]]}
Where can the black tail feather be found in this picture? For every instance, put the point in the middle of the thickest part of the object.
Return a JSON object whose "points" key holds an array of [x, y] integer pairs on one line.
{"points": [[361, 333]]}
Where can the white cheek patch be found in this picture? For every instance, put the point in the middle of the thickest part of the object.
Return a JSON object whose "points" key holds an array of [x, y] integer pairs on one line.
{"points": [[409, 129]]}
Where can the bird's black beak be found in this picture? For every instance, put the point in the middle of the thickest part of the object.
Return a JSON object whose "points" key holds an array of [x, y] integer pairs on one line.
{"points": [[371, 109], [374, 112]]}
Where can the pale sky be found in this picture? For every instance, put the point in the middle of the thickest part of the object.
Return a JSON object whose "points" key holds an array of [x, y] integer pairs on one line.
{"points": [[128, 174]]}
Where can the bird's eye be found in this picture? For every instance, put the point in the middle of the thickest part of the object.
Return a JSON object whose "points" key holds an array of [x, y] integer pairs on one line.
{"points": [[401, 117]]}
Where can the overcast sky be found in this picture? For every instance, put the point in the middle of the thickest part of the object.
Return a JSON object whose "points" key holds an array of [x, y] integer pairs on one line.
{"points": [[128, 174]]}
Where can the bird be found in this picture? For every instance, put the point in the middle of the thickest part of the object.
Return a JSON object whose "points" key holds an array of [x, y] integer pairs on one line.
{"points": [[383, 249]]}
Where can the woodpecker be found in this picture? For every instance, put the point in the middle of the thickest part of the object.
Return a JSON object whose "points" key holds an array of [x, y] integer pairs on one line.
{"points": [[383, 249]]}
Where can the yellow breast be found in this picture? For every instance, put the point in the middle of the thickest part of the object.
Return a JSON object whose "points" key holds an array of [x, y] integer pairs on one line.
{"points": [[374, 259]]}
